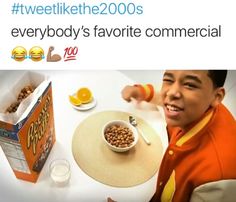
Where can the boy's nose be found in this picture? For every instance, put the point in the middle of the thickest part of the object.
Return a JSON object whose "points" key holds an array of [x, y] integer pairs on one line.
{"points": [[174, 91]]}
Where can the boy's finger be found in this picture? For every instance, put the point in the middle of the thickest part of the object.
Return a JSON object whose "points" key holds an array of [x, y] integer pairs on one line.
{"points": [[110, 200]]}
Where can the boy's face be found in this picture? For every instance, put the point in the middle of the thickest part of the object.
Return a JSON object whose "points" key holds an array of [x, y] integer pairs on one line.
{"points": [[186, 96]]}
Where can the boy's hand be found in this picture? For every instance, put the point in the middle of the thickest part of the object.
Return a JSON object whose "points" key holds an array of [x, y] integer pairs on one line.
{"points": [[129, 92], [110, 200]]}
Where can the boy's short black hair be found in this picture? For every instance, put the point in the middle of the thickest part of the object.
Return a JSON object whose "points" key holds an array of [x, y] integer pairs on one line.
{"points": [[218, 77]]}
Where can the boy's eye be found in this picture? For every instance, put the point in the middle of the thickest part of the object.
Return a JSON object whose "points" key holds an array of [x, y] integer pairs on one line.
{"points": [[167, 80], [190, 85]]}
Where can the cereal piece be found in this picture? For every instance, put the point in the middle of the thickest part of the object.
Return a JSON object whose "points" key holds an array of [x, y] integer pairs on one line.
{"points": [[13, 107]]}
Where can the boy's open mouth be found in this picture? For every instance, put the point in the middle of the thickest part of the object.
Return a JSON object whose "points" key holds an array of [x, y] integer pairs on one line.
{"points": [[172, 111], [173, 108]]}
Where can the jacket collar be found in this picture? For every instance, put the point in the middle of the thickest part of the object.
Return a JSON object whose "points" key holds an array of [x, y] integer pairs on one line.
{"points": [[196, 128]]}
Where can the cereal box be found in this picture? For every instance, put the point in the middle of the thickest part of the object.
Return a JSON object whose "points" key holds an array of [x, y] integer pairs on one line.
{"points": [[27, 131]]}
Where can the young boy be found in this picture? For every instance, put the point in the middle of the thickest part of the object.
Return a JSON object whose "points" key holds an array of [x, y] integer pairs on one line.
{"points": [[200, 161]]}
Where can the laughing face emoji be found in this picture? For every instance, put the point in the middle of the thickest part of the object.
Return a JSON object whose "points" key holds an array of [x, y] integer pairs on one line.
{"points": [[19, 53], [36, 53]]}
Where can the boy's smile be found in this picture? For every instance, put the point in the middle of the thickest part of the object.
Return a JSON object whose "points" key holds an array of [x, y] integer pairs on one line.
{"points": [[172, 110], [186, 96]]}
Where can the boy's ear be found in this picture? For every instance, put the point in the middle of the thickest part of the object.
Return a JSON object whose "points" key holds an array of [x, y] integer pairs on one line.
{"points": [[218, 97]]}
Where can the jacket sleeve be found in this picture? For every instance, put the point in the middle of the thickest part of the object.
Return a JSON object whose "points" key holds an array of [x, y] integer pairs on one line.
{"points": [[223, 190]]}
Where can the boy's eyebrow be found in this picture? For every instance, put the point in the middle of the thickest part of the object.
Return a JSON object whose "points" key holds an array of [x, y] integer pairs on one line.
{"points": [[168, 74], [195, 78], [192, 77]]}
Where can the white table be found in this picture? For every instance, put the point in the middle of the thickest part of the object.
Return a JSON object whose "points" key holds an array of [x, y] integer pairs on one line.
{"points": [[106, 87]]}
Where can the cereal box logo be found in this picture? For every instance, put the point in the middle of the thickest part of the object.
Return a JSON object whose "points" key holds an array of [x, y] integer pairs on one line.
{"points": [[38, 128]]}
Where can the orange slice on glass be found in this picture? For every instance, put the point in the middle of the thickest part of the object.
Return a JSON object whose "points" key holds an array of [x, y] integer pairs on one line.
{"points": [[74, 100], [84, 95]]}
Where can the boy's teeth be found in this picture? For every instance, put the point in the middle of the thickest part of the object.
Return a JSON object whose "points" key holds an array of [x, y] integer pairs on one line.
{"points": [[172, 108]]}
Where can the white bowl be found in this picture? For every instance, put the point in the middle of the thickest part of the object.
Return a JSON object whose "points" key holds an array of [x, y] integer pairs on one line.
{"points": [[124, 124]]}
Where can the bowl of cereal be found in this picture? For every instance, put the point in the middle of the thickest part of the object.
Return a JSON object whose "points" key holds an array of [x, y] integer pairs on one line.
{"points": [[119, 135]]}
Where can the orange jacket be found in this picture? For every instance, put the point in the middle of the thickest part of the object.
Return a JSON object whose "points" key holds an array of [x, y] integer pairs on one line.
{"points": [[205, 153]]}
